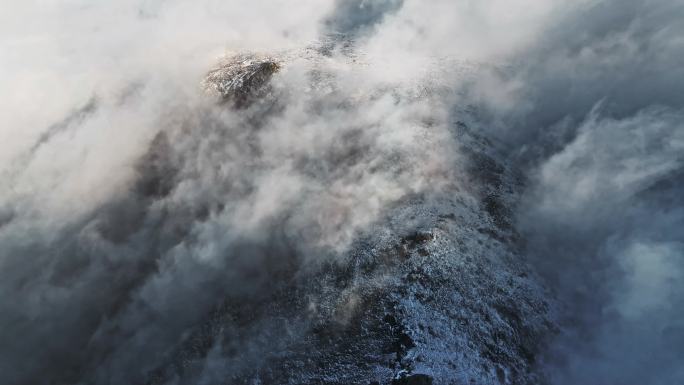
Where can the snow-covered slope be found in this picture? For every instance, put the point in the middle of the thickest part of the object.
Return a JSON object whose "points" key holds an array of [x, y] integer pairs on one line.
{"points": [[435, 290]]}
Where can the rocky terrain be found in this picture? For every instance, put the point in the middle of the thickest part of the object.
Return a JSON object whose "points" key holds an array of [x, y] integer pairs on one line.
{"points": [[435, 291], [299, 223]]}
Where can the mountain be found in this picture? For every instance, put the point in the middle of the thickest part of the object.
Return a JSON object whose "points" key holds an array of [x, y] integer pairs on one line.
{"points": [[435, 291]]}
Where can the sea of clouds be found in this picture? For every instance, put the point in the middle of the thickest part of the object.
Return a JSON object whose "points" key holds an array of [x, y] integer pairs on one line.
{"points": [[130, 202]]}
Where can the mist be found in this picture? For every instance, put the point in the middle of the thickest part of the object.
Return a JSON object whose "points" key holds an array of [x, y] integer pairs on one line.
{"points": [[132, 204]]}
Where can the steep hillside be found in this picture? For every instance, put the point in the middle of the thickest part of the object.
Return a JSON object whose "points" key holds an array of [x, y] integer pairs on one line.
{"points": [[435, 290]]}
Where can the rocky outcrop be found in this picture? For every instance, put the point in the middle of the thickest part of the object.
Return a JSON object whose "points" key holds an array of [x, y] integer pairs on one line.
{"points": [[241, 79]]}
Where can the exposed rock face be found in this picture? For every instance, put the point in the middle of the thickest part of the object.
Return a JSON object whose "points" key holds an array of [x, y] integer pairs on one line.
{"points": [[416, 379], [241, 78], [436, 292]]}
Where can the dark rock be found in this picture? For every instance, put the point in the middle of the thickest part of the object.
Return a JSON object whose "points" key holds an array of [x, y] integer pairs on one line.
{"points": [[414, 379], [241, 79]]}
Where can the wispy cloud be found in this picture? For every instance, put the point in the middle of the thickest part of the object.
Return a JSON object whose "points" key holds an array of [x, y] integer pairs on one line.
{"points": [[130, 201]]}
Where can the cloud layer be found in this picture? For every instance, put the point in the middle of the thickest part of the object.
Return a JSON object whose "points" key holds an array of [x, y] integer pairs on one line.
{"points": [[129, 202]]}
